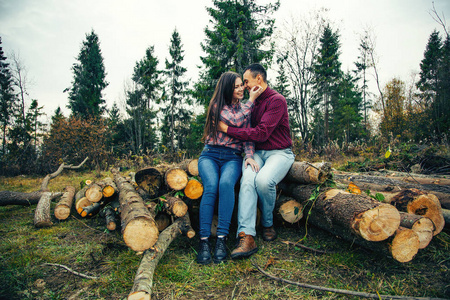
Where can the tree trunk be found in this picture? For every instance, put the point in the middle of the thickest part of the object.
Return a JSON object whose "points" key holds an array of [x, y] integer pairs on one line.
{"points": [[64, 206], [306, 173], [420, 203], [150, 180], [42, 213], [193, 189], [357, 214], [190, 166], [176, 179], [289, 209], [139, 229], [383, 184], [424, 227], [19, 198], [108, 186], [405, 244], [143, 281]]}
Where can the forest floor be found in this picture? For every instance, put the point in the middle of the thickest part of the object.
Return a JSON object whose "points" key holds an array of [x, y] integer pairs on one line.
{"points": [[87, 247]]}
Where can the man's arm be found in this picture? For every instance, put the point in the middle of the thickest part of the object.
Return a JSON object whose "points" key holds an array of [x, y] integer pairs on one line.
{"points": [[266, 126]]}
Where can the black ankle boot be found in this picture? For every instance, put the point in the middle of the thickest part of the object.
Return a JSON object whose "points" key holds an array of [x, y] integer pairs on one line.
{"points": [[220, 252], [204, 252]]}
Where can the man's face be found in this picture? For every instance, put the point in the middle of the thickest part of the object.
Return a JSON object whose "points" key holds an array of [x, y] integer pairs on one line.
{"points": [[250, 81]]}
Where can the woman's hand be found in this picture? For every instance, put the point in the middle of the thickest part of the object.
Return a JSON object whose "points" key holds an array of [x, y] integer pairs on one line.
{"points": [[255, 92], [253, 164]]}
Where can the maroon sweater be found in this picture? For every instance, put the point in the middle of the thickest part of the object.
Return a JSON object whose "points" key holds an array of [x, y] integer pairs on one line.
{"points": [[270, 123]]}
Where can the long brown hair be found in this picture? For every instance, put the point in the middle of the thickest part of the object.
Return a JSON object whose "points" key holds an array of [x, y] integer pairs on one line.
{"points": [[223, 95]]}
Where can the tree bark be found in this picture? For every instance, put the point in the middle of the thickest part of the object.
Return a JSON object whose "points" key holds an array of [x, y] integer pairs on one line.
{"points": [[143, 281], [384, 184], [110, 218], [424, 227], [176, 179], [108, 186], [64, 206], [139, 229], [193, 189], [358, 214], [42, 213], [289, 209], [306, 173], [446, 215]]}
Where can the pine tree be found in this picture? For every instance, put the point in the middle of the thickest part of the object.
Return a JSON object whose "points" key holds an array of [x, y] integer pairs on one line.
{"points": [[327, 75], [36, 127], [85, 96], [239, 30], [7, 99], [140, 100], [176, 114]]}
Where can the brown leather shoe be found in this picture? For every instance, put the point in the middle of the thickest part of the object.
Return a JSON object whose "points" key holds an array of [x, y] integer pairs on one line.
{"points": [[269, 234], [246, 246]]}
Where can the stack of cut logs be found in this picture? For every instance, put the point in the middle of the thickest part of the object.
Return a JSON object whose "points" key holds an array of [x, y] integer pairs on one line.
{"points": [[399, 226], [152, 205]]}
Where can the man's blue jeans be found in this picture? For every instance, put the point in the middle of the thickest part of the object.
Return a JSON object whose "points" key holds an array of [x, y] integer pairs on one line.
{"points": [[220, 169], [274, 165]]}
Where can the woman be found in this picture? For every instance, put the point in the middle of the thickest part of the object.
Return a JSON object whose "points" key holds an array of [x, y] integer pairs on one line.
{"points": [[220, 164]]}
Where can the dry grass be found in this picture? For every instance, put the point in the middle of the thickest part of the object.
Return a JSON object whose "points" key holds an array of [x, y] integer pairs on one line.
{"points": [[86, 246]]}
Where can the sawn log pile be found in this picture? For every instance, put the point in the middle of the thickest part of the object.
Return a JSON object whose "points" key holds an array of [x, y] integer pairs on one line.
{"points": [[156, 204]]}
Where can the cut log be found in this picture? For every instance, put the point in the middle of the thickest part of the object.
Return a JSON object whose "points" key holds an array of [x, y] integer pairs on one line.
{"points": [[306, 173], [176, 179], [143, 281], [383, 184], [289, 209], [175, 206], [446, 215], [62, 209], [81, 203], [358, 214], [193, 189], [190, 166], [404, 245], [139, 229], [424, 227], [91, 210], [108, 186], [19, 198], [42, 213], [150, 180], [417, 202], [110, 217], [162, 221], [94, 193]]}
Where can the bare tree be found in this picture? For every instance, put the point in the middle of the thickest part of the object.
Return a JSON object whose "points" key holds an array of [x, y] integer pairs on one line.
{"points": [[440, 20], [20, 76], [297, 47]]}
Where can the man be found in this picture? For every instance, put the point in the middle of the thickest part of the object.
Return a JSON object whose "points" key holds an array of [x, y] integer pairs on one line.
{"points": [[271, 133]]}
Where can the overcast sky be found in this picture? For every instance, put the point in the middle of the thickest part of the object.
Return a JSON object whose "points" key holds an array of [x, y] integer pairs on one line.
{"points": [[47, 36]]}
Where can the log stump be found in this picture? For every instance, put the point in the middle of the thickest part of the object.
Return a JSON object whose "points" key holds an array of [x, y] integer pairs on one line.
{"points": [[193, 189], [176, 179], [288, 209]]}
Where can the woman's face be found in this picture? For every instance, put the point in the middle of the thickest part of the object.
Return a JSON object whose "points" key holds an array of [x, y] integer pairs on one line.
{"points": [[238, 93]]}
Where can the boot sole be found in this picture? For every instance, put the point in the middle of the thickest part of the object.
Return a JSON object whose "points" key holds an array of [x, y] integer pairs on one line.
{"points": [[244, 254], [206, 262]]}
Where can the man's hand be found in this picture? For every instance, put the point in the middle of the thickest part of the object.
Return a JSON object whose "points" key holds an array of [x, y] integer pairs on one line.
{"points": [[222, 127], [253, 164]]}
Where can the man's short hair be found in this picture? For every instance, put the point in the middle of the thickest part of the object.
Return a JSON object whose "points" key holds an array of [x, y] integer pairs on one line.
{"points": [[256, 69]]}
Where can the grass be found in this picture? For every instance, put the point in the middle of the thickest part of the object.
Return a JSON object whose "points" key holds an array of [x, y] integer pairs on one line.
{"points": [[85, 246]]}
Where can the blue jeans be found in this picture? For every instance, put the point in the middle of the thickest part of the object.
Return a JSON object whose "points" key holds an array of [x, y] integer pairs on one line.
{"points": [[220, 169], [274, 165]]}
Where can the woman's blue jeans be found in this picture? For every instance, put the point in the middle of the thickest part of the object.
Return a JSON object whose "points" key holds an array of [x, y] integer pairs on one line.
{"points": [[219, 168]]}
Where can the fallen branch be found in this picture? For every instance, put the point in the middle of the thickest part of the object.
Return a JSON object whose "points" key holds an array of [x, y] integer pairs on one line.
{"points": [[305, 247], [71, 271], [341, 291]]}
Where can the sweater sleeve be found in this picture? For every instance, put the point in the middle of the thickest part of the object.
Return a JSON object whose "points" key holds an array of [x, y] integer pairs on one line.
{"points": [[266, 126]]}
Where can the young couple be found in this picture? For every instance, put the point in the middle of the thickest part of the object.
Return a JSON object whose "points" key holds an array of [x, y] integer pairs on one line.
{"points": [[260, 129]]}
